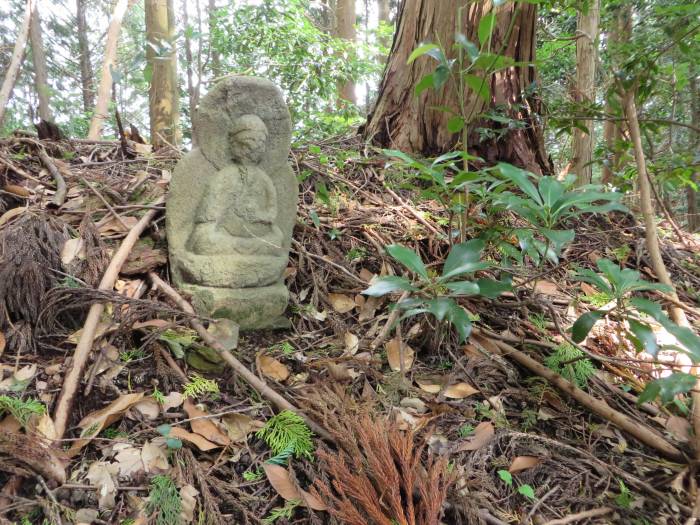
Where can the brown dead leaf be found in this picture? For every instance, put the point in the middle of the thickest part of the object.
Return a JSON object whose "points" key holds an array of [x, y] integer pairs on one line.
{"points": [[588, 289], [679, 427], [128, 458], [432, 385], [154, 458], [197, 440], [393, 354], [460, 391], [93, 423], [369, 308], [101, 475], [11, 214], [272, 368], [10, 424], [483, 434], [188, 496], [238, 426], [281, 480], [14, 189], [72, 249], [366, 275], [547, 288], [341, 372], [523, 463], [148, 407], [341, 303], [43, 425], [172, 400], [352, 344], [204, 426], [112, 225]]}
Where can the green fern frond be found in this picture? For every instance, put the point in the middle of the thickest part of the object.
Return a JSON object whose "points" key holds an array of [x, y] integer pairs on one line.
{"points": [[21, 410], [570, 363], [287, 431], [282, 512], [199, 386], [164, 500]]}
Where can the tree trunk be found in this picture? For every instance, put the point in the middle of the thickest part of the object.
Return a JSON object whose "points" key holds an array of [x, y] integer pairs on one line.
{"points": [[345, 29], [192, 89], [110, 61], [384, 12], [692, 194], [41, 77], [86, 79], [413, 124], [215, 55], [161, 56], [586, 56], [8, 83]]}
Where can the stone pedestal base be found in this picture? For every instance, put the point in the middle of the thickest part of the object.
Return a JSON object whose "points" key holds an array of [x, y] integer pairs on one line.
{"points": [[251, 308]]}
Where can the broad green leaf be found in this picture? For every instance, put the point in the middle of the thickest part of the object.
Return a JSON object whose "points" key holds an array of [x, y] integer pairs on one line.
{"points": [[506, 476], [480, 86], [440, 76], [463, 288], [527, 491], [440, 307], [469, 47], [463, 257], [589, 276], [492, 289], [387, 284], [584, 324], [486, 25], [490, 62], [668, 387], [455, 124], [408, 258], [420, 51], [427, 82], [460, 320], [521, 178], [645, 335], [551, 190], [558, 238]]}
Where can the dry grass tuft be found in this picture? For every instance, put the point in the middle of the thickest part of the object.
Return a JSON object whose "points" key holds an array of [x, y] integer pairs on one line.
{"points": [[382, 475]]}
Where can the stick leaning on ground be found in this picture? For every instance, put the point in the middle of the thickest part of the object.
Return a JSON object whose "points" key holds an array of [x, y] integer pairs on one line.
{"points": [[82, 350], [258, 384]]}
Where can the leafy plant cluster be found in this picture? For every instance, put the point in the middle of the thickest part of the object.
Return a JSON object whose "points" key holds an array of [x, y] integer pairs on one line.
{"points": [[164, 501], [20, 409]]}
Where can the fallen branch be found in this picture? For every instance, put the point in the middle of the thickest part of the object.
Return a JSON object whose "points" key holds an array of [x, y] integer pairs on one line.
{"points": [[258, 384], [599, 407], [82, 350], [59, 196], [579, 516]]}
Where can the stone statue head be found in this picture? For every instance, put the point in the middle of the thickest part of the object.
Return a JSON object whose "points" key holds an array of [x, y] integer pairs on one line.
{"points": [[248, 138]]}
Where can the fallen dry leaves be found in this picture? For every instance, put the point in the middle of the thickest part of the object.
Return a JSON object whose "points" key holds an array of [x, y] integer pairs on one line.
{"points": [[272, 368], [394, 349], [281, 480]]}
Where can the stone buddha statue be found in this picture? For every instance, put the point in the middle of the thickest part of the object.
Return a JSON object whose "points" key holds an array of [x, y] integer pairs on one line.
{"points": [[232, 205]]}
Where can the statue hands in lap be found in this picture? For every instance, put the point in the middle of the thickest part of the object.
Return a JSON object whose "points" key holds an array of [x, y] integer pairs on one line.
{"points": [[238, 212]]}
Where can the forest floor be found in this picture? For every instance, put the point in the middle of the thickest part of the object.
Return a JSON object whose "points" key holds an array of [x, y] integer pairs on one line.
{"points": [[520, 450]]}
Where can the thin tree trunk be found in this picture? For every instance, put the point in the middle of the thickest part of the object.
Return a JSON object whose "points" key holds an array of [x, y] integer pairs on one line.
{"points": [[383, 11], [652, 236], [586, 57], [8, 82], [192, 89], [110, 60], [413, 124], [41, 77], [215, 55], [86, 75], [161, 56], [692, 194], [345, 29]]}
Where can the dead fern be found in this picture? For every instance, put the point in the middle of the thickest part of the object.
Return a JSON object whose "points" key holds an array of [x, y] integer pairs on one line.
{"points": [[385, 478], [30, 260]]}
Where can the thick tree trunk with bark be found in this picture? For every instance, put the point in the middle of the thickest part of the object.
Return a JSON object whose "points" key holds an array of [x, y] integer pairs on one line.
{"points": [[41, 76], [86, 79], [8, 82], [110, 61], [586, 57], [412, 124], [345, 29], [215, 55], [163, 104]]}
